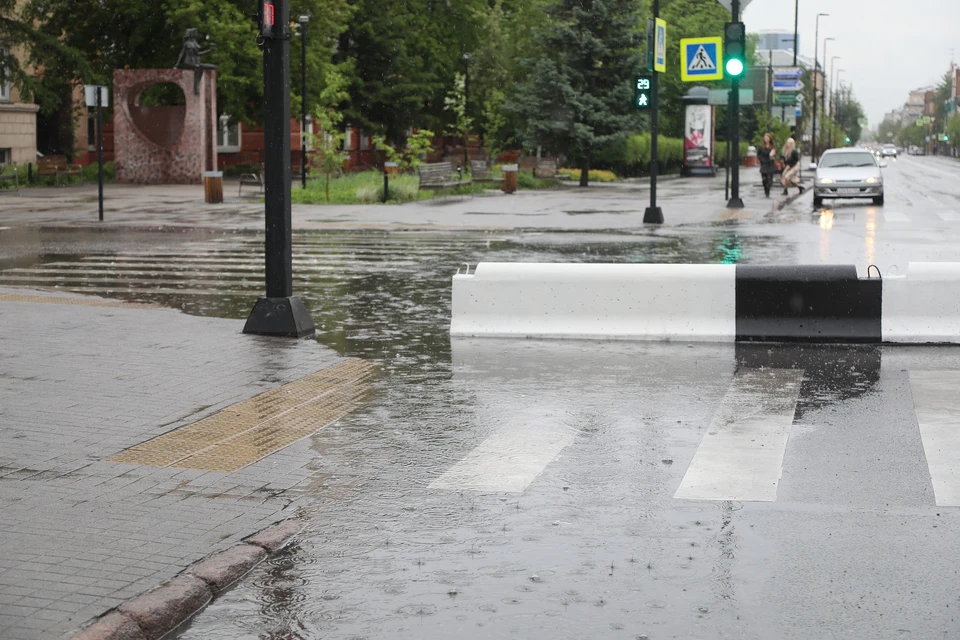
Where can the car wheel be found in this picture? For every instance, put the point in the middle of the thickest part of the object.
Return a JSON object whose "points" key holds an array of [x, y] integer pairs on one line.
{"points": [[878, 200], [817, 201]]}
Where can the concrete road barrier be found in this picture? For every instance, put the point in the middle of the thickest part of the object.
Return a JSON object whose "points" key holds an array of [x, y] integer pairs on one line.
{"points": [[923, 306], [707, 303], [634, 301]]}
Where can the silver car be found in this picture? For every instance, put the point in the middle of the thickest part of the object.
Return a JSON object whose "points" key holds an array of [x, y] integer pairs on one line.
{"points": [[848, 173]]}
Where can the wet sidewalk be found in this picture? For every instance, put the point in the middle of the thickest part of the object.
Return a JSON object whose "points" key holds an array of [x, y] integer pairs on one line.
{"points": [[601, 206], [86, 387]]}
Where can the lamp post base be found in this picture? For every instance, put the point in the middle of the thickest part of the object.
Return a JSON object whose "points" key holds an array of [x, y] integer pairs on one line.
{"points": [[735, 203], [285, 317], [653, 215]]}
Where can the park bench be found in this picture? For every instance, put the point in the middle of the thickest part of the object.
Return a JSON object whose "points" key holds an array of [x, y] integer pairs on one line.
{"points": [[11, 176], [254, 179], [57, 166], [545, 168], [480, 172], [439, 175]]}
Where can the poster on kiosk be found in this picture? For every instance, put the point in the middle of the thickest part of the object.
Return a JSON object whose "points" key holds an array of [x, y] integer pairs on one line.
{"points": [[698, 139]]}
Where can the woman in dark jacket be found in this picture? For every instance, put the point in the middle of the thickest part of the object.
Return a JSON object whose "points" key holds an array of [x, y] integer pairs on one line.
{"points": [[767, 154]]}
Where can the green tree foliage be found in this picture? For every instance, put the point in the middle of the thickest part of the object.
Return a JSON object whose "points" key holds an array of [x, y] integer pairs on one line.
{"points": [[578, 98], [400, 57]]}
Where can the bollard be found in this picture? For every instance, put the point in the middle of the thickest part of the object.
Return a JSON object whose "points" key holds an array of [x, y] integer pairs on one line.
{"points": [[509, 171], [29, 173], [386, 186]]}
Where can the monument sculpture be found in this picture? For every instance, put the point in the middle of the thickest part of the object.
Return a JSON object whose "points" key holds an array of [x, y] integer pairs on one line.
{"points": [[167, 143]]}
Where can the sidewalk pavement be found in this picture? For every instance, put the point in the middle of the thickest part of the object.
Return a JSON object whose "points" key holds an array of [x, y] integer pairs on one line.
{"points": [[83, 382], [601, 207]]}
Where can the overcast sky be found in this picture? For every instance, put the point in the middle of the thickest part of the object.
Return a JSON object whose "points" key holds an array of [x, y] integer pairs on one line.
{"points": [[888, 47]]}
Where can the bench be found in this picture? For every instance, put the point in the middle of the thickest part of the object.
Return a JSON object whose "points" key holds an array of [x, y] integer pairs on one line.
{"points": [[439, 175], [11, 177], [545, 168], [480, 172], [57, 166], [254, 179]]}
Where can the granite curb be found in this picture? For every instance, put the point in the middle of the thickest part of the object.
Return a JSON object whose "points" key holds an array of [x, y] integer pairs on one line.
{"points": [[158, 612]]}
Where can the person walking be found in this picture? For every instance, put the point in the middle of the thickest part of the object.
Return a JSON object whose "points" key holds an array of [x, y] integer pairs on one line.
{"points": [[767, 154], [791, 167]]}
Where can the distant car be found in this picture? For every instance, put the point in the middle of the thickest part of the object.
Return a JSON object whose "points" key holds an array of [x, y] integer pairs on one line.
{"points": [[916, 150], [888, 150], [848, 173]]}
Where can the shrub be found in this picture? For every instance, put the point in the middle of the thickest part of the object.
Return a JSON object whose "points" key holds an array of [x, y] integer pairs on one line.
{"points": [[596, 175], [90, 172], [669, 153]]}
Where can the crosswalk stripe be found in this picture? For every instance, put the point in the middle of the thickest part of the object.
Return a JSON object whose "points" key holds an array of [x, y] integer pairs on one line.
{"points": [[511, 458], [741, 455], [938, 417], [896, 216]]}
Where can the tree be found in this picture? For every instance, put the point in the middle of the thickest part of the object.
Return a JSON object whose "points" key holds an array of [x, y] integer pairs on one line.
{"points": [[578, 99]]}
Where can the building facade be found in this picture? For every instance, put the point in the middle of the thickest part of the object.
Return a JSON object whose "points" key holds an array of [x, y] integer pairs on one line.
{"points": [[18, 125]]}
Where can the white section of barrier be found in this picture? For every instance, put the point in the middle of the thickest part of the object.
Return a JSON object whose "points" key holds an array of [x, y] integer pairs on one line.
{"points": [[630, 301], [922, 306]]}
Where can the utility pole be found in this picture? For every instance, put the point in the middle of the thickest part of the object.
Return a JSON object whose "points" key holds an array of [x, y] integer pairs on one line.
{"points": [[653, 213], [823, 89], [100, 91], [304, 19], [279, 313], [796, 30]]}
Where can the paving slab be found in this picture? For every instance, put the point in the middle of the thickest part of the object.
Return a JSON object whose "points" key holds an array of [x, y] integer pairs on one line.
{"points": [[81, 381]]}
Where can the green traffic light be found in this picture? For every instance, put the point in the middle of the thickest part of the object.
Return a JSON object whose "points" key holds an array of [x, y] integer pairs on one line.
{"points": [[848, 140], [734, 67]]}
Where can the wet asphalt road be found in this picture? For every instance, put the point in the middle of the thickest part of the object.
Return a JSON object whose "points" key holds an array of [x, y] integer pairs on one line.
{"points": [[530, 489]]}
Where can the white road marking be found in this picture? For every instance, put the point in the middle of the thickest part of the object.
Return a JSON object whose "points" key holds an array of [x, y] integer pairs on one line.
{"points": [[741, 455], [895, 216], [935, 396], [949, 216], [512, 458]]}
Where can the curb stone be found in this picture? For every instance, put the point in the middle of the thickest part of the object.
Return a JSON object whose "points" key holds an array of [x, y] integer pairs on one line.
{"points": [[154, 614]]}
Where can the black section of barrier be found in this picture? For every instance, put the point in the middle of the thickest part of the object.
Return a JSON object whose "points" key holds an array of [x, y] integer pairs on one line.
{"points": [[813, 303]]}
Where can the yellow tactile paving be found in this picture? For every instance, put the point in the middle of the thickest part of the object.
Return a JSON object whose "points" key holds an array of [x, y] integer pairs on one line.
{"points": [[251, 430], [736, 214], [86, 302]]}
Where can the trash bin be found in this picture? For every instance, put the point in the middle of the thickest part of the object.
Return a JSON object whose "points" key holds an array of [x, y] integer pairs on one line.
{"points": [[213, 187], [392, 169], [751, 160], [509, 171]]}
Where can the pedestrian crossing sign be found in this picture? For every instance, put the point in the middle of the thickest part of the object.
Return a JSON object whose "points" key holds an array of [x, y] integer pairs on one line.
{"points": [[701, 59]]}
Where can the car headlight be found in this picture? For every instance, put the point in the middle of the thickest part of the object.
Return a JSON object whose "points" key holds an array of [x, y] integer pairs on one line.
{"points": [[825, 180], [872, 180]]}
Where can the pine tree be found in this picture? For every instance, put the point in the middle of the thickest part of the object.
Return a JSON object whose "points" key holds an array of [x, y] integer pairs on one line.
{"points": [[578, 96]]}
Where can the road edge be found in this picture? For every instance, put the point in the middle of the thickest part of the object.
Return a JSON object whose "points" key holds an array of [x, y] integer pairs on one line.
{"points": [[155, 613]]}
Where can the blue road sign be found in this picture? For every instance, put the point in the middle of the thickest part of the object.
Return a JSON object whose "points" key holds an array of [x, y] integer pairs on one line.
{"points": [[788, 73], [787, 85], [702, 59]]}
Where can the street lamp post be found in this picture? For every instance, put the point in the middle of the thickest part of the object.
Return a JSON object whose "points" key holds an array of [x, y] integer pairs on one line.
{"points": [[304, 19], [796, 29], [829, 110], [823, 89], [816, 50], [466, 103], [836, 106]]}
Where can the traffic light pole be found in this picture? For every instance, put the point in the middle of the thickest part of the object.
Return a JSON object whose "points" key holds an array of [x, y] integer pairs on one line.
{"points": [[734, 144], [654, 214], [279, 313]]}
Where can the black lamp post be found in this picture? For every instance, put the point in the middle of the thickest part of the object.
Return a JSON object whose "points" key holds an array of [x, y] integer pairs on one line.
{"points": [[304, 20], [466, 103]]}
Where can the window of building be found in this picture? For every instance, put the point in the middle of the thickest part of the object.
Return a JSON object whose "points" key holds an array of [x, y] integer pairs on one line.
{"points": [[4, 80], [364, 141], [228, 135], [6, 156], [348, 140]]}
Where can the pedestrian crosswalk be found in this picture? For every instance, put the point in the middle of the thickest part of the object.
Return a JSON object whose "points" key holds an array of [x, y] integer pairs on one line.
{"points": [[745, 445]]}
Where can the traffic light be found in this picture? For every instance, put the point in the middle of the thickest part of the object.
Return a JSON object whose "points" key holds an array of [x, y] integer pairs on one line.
{"points": [[848, 139], [735, 49]]}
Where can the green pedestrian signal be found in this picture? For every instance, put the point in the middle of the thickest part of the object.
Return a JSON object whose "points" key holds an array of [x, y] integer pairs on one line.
{"points": [[848, 139], [643, 92], [735, 49]]}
